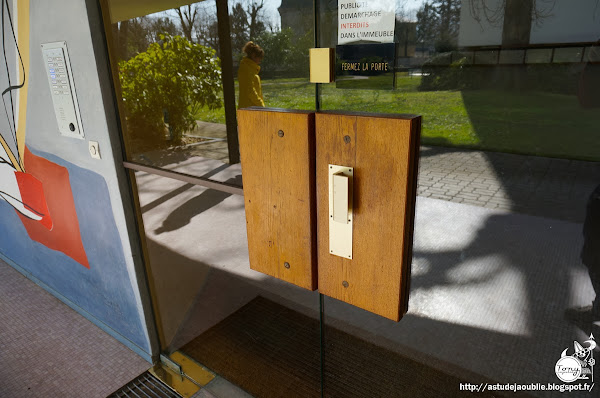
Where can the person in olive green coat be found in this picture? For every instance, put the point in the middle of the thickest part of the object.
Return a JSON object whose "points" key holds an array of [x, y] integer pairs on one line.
{"points": [[250, 89]]}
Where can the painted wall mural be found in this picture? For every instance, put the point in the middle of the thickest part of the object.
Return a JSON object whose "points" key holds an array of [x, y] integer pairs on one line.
{"points": [[38, 189], [46, 206], [56, 217]]}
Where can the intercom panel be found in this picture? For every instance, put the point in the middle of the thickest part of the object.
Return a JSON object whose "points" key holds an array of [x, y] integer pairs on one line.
{"points": [[62, 89]]}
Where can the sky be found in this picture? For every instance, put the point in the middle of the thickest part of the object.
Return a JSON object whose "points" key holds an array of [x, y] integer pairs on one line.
{"points": [[272, 14], [271, 7]]}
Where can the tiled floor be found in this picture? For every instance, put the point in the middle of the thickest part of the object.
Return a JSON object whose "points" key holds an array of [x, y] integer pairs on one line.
{"points": [[49, 350]]}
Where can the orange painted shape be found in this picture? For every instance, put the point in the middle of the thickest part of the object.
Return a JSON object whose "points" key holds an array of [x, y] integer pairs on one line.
{"points": [[32, 195], [64, 235]]}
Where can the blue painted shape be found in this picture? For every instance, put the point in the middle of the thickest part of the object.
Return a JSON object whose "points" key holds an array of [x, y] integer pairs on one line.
{"points": [[104, 290]]}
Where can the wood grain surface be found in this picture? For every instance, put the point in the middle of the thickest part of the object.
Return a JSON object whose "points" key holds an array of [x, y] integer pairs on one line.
{"points": [[384, 154], [278, 174]]}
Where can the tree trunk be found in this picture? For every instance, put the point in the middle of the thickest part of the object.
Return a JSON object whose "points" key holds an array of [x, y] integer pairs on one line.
{"points": [[122, 40], [517, 22], [518, 16]]}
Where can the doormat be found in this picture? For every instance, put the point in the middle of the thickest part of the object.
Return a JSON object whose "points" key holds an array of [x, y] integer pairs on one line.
{"points": [[272, 351]]}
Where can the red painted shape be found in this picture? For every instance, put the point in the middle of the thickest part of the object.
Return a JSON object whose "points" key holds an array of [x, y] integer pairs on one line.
{"points": [[32, 195], [64, 235]]}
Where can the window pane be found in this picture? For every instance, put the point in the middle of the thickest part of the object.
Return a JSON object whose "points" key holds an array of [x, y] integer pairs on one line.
{"points": [[171, 86], [509, 158], [569, 54]]}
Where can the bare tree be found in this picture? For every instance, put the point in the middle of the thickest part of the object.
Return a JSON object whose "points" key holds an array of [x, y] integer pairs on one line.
{"points": [[187, 19], [207, 29], [161, 25], [405, 28], [239, 27], [254, 12]]}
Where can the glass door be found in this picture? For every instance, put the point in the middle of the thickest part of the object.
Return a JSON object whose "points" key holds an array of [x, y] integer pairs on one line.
{"points": [[501, 284], [508, 160], [175, 69]]}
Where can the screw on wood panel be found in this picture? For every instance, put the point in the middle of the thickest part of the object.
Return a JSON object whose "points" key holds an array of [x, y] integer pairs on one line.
{"points": [[345, 284], [347, 139], [280, 133], [286, 265]]}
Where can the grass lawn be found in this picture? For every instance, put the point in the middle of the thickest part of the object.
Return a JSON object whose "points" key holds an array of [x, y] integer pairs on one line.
{"points": [[535, 123]]}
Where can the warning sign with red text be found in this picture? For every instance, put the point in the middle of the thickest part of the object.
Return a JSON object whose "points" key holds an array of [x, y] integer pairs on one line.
{"points": [[366, 21]]}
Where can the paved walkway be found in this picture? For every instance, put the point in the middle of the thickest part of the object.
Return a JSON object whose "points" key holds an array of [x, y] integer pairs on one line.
{"points": [[547, 187]]}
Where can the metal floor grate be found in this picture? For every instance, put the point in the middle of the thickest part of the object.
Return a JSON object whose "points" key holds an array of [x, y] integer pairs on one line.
{"points": [[145, 386]]}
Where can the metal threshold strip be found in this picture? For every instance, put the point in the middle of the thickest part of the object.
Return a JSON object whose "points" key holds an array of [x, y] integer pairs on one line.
{"points": [[190, 179], [145, 386], [174, 376]]}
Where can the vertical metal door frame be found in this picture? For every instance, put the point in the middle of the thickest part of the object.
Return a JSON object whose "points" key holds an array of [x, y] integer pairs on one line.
{"points": [[227, 76]]}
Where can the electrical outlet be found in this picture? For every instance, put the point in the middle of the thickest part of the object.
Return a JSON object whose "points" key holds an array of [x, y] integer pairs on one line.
{"points": [[94, 149]]}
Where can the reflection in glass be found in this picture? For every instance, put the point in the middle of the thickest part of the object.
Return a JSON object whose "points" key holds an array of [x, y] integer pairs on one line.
{"points": [[489, 57], [510, 156], [512, 56], [472, 91], [592, 53], [171, 79], [255, 331], [284, 71], [468, 56], [539, 56], [171, 85], [568, 54]]}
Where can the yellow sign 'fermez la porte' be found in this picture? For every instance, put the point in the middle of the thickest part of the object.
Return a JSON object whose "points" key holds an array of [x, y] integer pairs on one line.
{"points": [[365, 66], [322, 61]]}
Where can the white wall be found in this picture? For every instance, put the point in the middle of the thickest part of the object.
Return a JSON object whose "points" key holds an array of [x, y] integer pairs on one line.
{"points": [[482, 33], [571, 21], [564, 21]]}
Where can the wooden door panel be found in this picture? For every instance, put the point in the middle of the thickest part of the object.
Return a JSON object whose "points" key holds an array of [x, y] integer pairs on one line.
{"points": [[278, 156], [384, 154]]}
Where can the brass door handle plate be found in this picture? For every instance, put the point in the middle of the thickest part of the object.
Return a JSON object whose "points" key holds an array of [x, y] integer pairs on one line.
{"points": [[340, 210]]}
